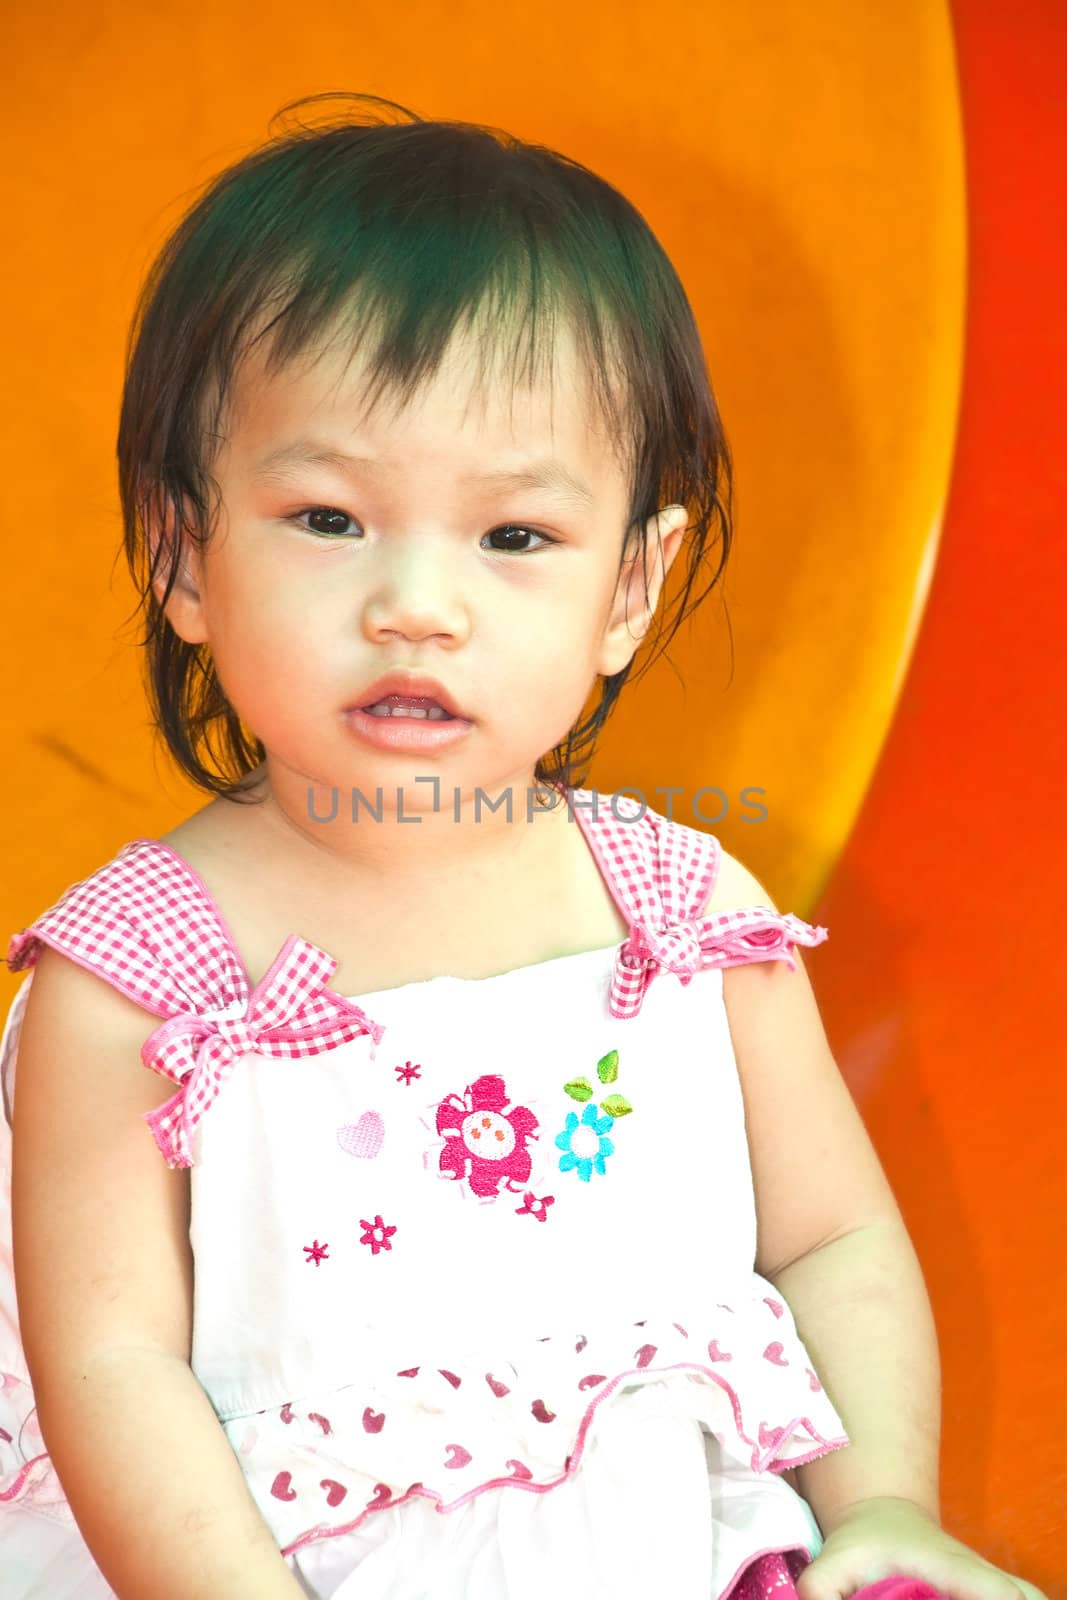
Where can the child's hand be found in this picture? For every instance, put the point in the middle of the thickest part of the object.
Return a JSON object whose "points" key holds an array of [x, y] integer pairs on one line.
{"points": [[883, 1538]]}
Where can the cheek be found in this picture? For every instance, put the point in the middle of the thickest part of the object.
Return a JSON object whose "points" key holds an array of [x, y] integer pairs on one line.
{"points": [[546, 644], [270, 594], [564, 633], [271, 646]]}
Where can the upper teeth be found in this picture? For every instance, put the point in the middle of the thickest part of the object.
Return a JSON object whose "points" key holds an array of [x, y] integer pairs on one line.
{"points": [[383, 709]]}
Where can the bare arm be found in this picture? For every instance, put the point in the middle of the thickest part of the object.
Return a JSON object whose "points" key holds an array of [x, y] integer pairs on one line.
{"points": [[861, 1308], [104, 1283], [831, 1238]]}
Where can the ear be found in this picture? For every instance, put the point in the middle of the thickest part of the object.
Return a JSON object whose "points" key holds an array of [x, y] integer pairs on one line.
{"points": [[184, 607], [631, 613]]}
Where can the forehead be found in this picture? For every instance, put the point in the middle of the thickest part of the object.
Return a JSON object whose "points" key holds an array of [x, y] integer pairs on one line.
{"points": [[472, 407]]}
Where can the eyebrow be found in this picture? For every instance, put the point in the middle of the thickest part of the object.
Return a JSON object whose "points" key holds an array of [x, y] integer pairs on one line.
{"points": [[544, 473]]}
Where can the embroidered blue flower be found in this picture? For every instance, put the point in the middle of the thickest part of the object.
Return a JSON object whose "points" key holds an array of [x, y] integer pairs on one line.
{"points": [[584, 1144]]}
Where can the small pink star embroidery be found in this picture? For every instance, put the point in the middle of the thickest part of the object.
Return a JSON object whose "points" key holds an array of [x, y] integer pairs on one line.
{"points": [[316, 1252], [407, 1072], [534, 1207], [377, 1234]]}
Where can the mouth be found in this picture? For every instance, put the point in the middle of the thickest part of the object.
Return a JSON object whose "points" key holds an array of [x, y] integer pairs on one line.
{"points": [[417, 706], [407, 723], [410, 696]]}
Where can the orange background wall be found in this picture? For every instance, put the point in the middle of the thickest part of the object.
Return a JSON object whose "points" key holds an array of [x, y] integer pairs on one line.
{"points": [[945, 992], [864, 204]]}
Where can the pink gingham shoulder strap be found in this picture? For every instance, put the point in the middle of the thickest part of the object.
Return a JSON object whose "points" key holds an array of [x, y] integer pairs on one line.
{"points": [[662, 873], [147, 924]]}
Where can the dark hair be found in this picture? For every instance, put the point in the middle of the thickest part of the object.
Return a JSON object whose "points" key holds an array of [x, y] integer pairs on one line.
{"points": [[409, 225]]}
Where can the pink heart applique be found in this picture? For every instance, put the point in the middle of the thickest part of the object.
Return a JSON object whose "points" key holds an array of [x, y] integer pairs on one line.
{"points": [[580, 1346], [373, 1421], [408, 1372], [459, 1456], [363, 1138], [518, 1470], [541, 1412], [380, 1498], [335, 1492], [497, 1387], [681, 1330], [286, 1412], [451, 1376], [813, 1383], [644, 1355], [282, 1488], [775, 1306], [715, 1354], [776, 1352], [323, 1422], [592, 1380]]}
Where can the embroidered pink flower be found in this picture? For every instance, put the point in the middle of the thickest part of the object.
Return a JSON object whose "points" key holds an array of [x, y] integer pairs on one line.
{"points": [[377, 1234], [534, 1207], [485, 1144]]}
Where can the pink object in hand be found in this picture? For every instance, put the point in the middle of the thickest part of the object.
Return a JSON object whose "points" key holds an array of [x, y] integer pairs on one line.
{"points": [[774, 1577], [900, 1589]]}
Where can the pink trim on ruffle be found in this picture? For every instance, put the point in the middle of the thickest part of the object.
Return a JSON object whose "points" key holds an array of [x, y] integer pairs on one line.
{"points": [[26, 1470], [763, 1456], [13, 1490]]}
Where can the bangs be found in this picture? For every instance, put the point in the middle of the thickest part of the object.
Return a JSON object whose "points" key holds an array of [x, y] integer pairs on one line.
{"points": [[511, 346], [397, 274]]}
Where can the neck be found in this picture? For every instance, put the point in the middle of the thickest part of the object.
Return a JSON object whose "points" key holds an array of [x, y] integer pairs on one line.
{"points": [[404, 833]]}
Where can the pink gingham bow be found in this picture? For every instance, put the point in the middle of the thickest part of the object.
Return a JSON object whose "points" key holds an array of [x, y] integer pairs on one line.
{"points": [[290, 1012], [675, 948], [687, 946]]}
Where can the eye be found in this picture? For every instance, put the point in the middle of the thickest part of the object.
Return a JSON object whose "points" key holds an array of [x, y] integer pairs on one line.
{"points": [[513, 530], [330, 522], [327, 513]]}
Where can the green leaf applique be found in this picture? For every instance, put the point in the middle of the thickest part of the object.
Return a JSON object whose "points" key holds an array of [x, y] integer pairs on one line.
{"points": [[616, 1105], [607, 1068], [579, 1089]]}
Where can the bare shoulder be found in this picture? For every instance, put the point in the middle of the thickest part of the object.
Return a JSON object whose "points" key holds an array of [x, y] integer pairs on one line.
{"points": [[71, 1006], [736, 887], [815, 1172], [223, 842], [206, 830]]}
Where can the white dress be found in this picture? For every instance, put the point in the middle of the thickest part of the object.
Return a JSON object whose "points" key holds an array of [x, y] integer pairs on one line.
{"points": [[475, 1291]]}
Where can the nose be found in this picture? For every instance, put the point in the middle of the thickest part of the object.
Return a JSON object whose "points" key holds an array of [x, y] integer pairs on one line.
{"points": [[415, 594]]}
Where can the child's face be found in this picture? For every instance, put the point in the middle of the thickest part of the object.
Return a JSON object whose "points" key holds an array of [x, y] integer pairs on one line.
{"points": [[320, 578]]}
